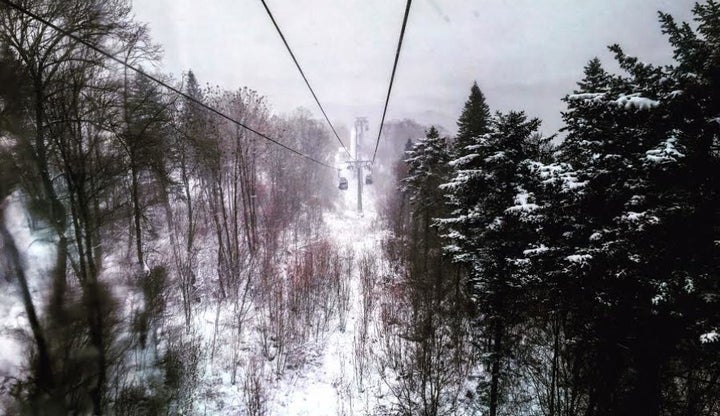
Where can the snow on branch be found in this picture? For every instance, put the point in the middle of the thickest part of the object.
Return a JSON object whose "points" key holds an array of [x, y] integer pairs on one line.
{"points": [[587, 97], [636, 101], [521, 203], [710, 337], [579, 258], [542, 248], [558, 173], [639, 217], [495, 157], [667, 152], [463, 160]]}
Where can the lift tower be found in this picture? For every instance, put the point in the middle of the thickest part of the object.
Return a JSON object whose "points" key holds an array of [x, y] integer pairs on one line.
{"points": [[361, 126], [358, 166], [357, 163]]}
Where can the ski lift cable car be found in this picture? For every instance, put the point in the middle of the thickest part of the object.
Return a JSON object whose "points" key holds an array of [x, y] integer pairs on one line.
{"points": [[342, 182]]}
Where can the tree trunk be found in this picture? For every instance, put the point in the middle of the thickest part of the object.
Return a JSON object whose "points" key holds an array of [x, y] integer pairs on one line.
{"points": [[137, 215], [57, 214], [97, 339], [495, 367], [555, 361], [45, 379]]}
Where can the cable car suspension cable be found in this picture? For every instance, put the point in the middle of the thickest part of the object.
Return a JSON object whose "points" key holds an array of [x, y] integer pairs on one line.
{"points": [[297, 64], [160, 82], [392, 77]]}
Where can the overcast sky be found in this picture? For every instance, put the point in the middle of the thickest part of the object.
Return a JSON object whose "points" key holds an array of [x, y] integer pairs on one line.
{"points": [[524, 54]]}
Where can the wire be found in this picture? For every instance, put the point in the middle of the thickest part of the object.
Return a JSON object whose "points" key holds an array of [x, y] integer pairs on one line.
{"points": [[292, 55], [392, 77], [158, 81]]}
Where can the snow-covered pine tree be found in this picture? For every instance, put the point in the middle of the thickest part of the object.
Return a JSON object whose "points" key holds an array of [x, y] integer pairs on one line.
{"points": [[473, 121], [485, 232], [682, 173], [427, 164], [431, 352], [597, 256], [628, 237]]}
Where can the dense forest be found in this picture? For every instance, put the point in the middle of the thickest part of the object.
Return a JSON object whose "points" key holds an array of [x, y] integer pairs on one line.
{"points": [[158, 258]]}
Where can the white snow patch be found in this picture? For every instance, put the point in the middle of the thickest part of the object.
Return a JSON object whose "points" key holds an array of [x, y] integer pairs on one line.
{"points": [[666, 153], [542, 248], [709, 337], [587, 96], [495, 157], [561, 173], [579, 258], [522, 204], [636, 101], [463, 160], [636, 217]]}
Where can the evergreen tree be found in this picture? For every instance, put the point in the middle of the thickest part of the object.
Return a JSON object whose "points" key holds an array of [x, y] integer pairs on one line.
{"points": [[622, 243], [435, 325], [485, 232], [427, 166], [473, 121]]}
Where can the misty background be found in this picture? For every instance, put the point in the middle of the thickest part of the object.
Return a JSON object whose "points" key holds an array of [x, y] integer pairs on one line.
{"points": [[524, 54]]}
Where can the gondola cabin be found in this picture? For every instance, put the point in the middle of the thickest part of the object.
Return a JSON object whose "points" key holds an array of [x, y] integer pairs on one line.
{"points": [[368, 179], [343, 186]]}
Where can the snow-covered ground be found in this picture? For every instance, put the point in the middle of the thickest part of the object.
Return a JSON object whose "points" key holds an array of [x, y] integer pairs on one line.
{"points": [[329, 379], [326, 382], [330, 386]]}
